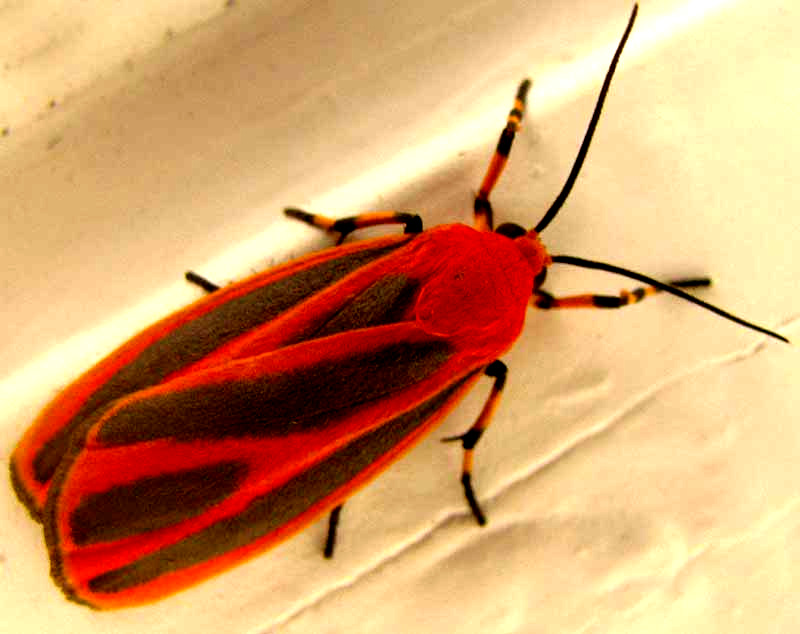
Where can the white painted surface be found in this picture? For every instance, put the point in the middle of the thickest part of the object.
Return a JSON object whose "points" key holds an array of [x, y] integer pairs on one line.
{"points": [[641, 474]]}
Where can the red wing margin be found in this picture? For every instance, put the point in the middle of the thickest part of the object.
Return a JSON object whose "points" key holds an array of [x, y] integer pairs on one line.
{"points": [[170, 485], [225, 325]]}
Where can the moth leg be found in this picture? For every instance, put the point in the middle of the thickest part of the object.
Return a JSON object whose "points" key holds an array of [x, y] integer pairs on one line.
{"points": [[498, 371], [484, 220], [345, 226], [199, 280], [342, 226], [543, 299], [333, 523]]}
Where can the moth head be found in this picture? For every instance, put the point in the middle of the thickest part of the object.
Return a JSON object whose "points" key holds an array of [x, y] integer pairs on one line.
{"points": [[532, 248]]}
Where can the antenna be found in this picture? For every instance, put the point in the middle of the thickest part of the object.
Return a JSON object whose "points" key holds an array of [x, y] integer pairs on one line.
{"points": [[587, 137], [602, 266]]}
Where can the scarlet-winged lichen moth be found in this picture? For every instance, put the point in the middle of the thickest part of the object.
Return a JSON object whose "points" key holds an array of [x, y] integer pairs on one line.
{"points": [[229, 425]]}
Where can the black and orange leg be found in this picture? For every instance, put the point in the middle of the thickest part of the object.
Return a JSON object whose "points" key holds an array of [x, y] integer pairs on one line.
{"points": [[498, 371], [484, 220], [342, 226], [543, 299], [345, 226]]}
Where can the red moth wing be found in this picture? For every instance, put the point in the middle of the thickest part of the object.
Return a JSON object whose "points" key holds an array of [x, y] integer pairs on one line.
{"points": [[214, 329], [169, 485], [160, 495]]}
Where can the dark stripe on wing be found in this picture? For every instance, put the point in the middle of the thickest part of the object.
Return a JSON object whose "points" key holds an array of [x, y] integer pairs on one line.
{"points": [[153, 502], [385, 302], [279, 404]]}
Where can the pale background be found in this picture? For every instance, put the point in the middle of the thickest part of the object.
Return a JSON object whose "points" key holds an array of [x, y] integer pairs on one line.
{"points": [[642, 471]]}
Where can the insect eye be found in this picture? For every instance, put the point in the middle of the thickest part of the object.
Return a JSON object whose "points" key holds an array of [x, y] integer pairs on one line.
{"points": [[511, 230]]}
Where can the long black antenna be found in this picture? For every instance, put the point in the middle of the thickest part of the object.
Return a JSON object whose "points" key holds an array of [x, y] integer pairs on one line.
{"points": [[602, 266], [587, 137]]}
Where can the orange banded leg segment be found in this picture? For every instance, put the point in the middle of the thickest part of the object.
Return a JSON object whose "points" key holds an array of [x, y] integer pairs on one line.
{"points": [[498, 371], [345, 226], [543, 299], [484, 220]]}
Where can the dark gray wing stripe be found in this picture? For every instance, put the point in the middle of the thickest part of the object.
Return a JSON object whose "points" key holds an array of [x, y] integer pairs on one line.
{"points": [[276, 405], [153, 502]]}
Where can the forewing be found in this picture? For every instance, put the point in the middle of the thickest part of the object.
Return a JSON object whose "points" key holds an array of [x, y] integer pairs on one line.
{"points": [[172, 484], [243, 319]]}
